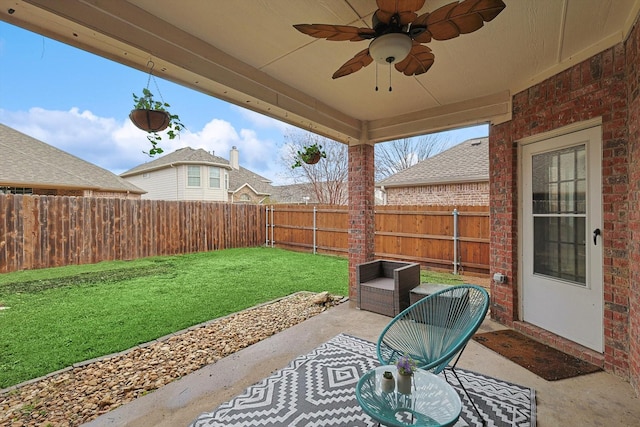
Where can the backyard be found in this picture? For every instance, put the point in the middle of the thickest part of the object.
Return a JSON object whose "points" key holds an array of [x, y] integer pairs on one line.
{"points": [[53, 318]]}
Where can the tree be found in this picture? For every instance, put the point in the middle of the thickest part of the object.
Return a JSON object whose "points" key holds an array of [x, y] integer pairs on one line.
{"points": [[327, 178], [393, 156]]}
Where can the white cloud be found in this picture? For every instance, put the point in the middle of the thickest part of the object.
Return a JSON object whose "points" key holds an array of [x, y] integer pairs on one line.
{"points": [[118, 146]]}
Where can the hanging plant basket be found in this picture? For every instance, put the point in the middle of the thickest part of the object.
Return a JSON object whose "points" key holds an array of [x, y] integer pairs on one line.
{"points": [[152, 116], [312, 159], [310, 155], [150, 120]]}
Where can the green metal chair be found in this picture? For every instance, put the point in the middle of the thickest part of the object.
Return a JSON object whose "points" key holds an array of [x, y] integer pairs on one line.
{"points": [[435, 330]]}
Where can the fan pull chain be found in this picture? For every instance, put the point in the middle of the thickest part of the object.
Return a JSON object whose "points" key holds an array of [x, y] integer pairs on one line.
{"points": [[390, 77], [376, 76]]}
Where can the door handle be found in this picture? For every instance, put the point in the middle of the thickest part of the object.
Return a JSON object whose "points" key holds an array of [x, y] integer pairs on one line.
{"points": [[596, 233]]}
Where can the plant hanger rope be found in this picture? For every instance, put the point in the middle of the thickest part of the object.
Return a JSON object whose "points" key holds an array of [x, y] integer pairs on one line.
{"points": [[155, 82], [153, 116]]}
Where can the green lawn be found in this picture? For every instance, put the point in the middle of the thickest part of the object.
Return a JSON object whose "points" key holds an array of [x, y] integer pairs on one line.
{"points": [[427, 276], [60, 316]]}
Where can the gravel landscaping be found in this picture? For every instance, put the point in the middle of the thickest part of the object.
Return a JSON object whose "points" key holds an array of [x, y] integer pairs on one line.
{"points": [[81, 393]]}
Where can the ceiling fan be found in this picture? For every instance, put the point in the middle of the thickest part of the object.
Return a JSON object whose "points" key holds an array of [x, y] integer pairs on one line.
{"points": [[398, 32]]}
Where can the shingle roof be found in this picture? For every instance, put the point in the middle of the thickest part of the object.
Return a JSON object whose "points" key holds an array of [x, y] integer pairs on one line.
{"points": [[294, 193], [180, 156], [464, 162], [242, 176], [28, 162], [188, 155]]}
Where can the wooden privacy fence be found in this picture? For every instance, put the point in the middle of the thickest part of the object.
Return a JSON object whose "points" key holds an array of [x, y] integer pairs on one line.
{"points": [[50, 231], [436, 236]]}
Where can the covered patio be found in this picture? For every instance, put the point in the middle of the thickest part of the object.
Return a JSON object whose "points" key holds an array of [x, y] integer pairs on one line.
{"points": [[588, 400], [552, 78]]}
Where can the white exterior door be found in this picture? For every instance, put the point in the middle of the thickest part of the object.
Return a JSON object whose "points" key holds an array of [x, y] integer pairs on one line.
{"points": [[562, 253]]}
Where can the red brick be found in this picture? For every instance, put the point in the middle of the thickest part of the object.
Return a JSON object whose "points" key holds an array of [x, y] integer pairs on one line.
{"points": [[598, 87]]}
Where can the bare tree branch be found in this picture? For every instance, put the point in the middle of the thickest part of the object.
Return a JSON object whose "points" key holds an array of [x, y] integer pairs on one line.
{"points": [[394, 156], [328, 178]]}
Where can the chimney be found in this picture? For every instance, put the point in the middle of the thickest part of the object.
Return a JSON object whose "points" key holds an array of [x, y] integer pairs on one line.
{"points": [[233, 158]]}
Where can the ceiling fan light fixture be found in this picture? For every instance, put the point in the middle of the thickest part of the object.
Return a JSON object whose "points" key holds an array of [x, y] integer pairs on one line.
{"points": [[390, 48]]}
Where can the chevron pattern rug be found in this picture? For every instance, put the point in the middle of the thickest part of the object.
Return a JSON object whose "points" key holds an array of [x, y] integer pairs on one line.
{"points": [[318, 389]]}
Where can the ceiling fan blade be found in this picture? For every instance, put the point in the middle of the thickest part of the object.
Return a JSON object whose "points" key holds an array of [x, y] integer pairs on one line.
{"points": [[465, 17], [336, 32], [419, 60], [406, 10], [362, 59], [419, 31]]}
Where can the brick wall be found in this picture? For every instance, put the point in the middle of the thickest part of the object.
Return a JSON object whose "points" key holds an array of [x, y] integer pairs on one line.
{"points": [[633, 81], [361, 210], [246, 195], [503, 222], [467, 194], [594, 88]]}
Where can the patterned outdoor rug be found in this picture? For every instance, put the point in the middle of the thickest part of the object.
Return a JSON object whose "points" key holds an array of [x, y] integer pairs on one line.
{"points": [[318, 389]]}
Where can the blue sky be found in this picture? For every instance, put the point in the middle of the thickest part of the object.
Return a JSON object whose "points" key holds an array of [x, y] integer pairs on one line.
{"points": [[79, 103]]}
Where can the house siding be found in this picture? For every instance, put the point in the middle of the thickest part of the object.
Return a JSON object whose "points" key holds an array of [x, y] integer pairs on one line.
{"points": [[171, 184], [159, 184], [204, 192], [595, 88], [468, 194]]}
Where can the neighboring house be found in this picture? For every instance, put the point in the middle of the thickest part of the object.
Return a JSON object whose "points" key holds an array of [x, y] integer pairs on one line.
{"points": [[333, 193], [29, 166], [190, 174], [457, 176], [301, 194], [246, 186]]}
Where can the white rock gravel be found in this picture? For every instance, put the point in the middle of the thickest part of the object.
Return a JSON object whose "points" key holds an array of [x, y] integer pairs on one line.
{"points": [[77, 395]]}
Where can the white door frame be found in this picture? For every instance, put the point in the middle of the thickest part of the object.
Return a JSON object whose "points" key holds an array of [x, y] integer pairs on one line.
{"points": [[598, 346]]}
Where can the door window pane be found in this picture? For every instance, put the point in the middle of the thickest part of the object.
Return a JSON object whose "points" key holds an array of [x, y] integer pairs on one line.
{"points": [[559, 248], [559, 211], [559, 181]]}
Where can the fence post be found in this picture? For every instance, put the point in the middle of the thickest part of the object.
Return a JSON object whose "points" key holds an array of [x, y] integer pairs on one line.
{"points": [[455, 241], [273, 225], [314, 230], [266, 231]]}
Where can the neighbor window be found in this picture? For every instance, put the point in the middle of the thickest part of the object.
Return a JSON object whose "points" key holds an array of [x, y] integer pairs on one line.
{"points": [[226, 180], [193, 176], [214, 177]]}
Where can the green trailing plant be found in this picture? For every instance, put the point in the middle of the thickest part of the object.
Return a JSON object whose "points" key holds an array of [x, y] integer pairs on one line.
{"points": [[147, 102], [309, 154]]}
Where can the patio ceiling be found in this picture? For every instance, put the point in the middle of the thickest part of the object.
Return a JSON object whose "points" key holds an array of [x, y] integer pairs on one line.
{"points": [[248, 53]]}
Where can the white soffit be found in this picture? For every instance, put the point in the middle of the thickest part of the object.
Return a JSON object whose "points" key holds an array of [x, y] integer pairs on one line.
{"points": [[248, 53]]}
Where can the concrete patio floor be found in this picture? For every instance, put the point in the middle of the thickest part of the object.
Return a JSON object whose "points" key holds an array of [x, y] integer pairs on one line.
{"points": [[598, 399]]}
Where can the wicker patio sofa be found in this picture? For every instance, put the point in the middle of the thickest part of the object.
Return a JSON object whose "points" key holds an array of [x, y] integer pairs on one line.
{"points": [[384, 286]]}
